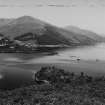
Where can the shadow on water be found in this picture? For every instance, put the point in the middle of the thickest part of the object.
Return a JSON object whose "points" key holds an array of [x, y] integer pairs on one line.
{"points": [[12, 75], [40, 52], [11, 79]]}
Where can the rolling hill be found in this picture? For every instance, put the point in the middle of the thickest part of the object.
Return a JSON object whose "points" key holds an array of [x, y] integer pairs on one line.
{"points": [[30, 30], [84, 32]]}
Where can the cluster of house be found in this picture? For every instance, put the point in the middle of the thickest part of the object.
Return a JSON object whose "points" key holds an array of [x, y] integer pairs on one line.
{"points": [[7, 44]]}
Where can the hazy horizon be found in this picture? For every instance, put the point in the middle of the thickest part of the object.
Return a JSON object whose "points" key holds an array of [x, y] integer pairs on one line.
{"points": [[84, 14]]}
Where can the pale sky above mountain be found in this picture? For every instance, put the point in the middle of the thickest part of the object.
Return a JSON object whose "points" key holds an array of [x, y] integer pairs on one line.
{"points": [[86, 14]]}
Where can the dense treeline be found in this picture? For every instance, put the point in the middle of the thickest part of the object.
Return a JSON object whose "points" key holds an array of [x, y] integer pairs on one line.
{"points": [[25, 43], [54, 86]]}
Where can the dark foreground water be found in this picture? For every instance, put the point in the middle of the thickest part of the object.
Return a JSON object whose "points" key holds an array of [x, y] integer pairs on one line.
{"points": [[10, 79], [15, 71]]}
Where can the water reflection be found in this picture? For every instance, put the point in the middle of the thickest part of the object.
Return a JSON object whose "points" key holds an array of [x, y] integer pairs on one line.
{"points": [[10, 79]]}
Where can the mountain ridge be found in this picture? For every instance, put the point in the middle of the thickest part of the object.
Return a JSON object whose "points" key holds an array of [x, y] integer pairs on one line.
{"points": [[85, 32], [43, 32]]}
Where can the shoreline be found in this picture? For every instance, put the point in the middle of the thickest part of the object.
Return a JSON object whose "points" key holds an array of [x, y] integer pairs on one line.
{"points": [[90, 67]]}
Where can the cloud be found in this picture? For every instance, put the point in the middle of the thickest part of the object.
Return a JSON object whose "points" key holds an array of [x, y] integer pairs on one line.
{"points": [[21, 6], [51, 3]]}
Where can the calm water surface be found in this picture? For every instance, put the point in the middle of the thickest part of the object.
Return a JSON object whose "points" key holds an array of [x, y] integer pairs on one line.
{"points": [[85, 53], [13, 72]]}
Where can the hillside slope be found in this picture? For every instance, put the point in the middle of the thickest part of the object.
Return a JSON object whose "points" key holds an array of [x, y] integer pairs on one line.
{"points": [[43, 33], [84, 32]]}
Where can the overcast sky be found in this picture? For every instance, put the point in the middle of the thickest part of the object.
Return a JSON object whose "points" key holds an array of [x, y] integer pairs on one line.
{"points": [[86, 14]]}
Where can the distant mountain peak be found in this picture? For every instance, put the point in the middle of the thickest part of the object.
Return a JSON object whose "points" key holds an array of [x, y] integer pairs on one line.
{"points": [[27, 19]]}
